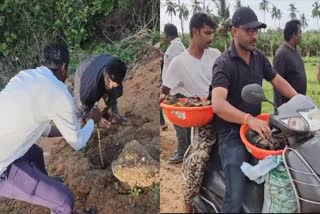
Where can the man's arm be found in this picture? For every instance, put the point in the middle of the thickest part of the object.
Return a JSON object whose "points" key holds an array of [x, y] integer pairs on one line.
{"points": [[223, 108], [165, 90], [279, 64], [113, 95], [283, 87], [231, 114], [170, 79], [64, 116], [171, 52]]}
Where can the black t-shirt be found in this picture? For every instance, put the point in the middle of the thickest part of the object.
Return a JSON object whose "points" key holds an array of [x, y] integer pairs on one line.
{"points": [[233, 73], [288, 63], [92, 82]]}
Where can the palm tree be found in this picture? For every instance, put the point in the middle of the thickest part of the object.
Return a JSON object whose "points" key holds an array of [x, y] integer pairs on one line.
{"points": [[279, 15], [223, 19], [204, 5], [264, 6], [316, 11], [274, 13], [293, 10], [171, 8], [238, 4], [303, 21], [183, 15], [195, 7]]}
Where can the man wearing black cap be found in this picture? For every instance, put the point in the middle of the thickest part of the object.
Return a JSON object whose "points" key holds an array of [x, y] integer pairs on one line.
{"points": [[240, 65], [99, 77]]}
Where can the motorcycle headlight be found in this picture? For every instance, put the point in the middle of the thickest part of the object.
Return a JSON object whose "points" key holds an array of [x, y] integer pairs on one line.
{"points": [[296, 123]]}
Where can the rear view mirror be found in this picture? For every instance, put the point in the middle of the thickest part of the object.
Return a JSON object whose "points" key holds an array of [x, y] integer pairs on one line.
{"points": [[253, 94]]}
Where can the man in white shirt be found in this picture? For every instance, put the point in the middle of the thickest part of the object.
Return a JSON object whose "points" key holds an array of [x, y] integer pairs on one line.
{"points": [[175, 48], [190, 73], [29, 102]]}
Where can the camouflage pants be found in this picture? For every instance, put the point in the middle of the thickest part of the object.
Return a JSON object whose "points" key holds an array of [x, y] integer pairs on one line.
{"points": [[195, 160]]}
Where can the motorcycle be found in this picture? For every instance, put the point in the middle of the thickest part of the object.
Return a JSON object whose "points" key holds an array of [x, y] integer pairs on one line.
{"points": [[299, 121]]}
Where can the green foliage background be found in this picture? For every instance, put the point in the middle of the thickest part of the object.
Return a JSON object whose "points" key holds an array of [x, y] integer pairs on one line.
{"points": [[268, 42], [86, 26]]}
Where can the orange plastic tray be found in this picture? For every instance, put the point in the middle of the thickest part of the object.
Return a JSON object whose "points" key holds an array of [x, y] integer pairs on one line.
{"points": [[255, 151], [188, 116]]}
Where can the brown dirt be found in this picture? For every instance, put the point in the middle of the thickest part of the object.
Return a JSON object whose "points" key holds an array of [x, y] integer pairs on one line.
{"points": [[172, 182], [95, 187]]}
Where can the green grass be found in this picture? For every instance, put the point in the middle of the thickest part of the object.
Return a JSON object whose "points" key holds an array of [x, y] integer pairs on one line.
{"points": [[155, 189], [313, 87]]}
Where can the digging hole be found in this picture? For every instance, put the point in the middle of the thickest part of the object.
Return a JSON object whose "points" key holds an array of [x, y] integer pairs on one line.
{"points": [[110, 150]]}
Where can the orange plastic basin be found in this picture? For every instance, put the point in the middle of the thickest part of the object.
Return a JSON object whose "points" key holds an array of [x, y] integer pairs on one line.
{"points": [[255, 151], [188, 116]]}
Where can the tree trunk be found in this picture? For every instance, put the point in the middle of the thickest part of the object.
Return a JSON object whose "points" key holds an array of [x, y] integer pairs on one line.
{"points": [[182, 31], [171, 18], [181, 19]]}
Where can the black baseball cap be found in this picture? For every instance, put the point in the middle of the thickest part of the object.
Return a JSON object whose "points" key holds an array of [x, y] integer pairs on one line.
{"points": [[245, 17]]}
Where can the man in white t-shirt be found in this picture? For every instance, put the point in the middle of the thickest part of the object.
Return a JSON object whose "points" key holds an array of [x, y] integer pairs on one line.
{"points": [[190, 73], [29, 102], [175, 48]]}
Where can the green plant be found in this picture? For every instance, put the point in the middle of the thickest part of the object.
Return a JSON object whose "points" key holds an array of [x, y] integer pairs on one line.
{"points": [[135, 191], [156, 37], [26, 26], [155, 189], [66, 151]]}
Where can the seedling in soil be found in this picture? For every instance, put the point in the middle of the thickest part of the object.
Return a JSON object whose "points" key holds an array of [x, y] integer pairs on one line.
{"points": [[155, 189], [135, 192], [65, 151]]}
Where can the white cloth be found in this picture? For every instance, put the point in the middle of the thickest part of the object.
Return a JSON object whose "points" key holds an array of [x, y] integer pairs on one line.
{"points": [[259, 172], [175, 48], [30, 101], [190, 76]]}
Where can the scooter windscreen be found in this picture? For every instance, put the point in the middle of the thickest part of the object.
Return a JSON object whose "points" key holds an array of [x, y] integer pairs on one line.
{"points": [[312, 118], [300, 114]]}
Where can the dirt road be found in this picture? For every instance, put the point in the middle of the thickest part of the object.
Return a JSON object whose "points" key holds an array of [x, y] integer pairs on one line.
{"points": [[172, 182]]}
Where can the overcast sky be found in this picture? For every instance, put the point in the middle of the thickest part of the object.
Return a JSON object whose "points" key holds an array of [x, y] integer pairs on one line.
{"points": [[303, 6]]}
